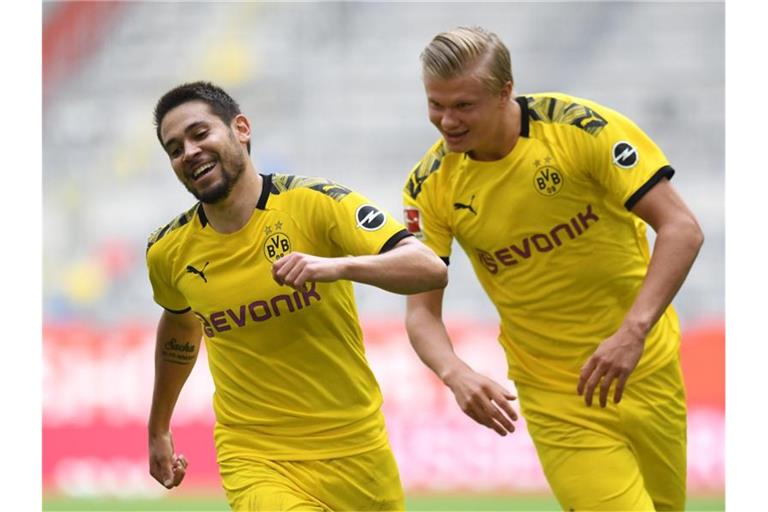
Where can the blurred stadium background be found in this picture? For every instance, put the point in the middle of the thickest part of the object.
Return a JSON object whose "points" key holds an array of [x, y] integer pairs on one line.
{"points": [[333, 89]]}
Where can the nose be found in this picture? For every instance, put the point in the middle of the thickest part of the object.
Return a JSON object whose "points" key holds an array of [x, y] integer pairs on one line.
{"points": [[449, 120], [191, 150]]}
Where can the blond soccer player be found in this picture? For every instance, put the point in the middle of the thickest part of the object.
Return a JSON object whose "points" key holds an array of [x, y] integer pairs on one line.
{"points": [[549, 195]]}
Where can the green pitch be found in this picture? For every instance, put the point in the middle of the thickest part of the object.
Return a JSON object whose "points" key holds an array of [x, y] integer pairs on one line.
{"points": [[423, 503]]}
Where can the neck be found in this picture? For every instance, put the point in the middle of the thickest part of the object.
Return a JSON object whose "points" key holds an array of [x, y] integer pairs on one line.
{"points": [[506, 136], [233, 212]]}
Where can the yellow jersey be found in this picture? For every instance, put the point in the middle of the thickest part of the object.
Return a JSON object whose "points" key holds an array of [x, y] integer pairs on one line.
{"points": [[549, 233], [289, 368]]}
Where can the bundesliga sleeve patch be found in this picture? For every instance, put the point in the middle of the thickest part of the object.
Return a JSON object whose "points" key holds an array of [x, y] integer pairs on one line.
{"points": [[412, 219], [625, 155], [369, 217]]}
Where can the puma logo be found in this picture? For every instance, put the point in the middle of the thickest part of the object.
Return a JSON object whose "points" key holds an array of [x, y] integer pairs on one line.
{"points": [[462, 206], [201, 273]]}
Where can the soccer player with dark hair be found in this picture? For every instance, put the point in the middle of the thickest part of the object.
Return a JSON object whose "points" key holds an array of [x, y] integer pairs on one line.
{"points": [[549, 195], [262, 266]]}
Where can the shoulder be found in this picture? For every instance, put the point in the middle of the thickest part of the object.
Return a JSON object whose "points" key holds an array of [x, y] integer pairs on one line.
{"points": [[433, 161], [308, 187], [564, 112], [173, 228]]}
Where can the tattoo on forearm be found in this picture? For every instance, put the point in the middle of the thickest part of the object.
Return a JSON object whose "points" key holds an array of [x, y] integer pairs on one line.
{"points": [[179, 353]]}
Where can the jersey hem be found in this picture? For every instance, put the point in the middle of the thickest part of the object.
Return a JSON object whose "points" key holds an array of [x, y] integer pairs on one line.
{"points": [[559, 386], [665, 172], [381, 441]]}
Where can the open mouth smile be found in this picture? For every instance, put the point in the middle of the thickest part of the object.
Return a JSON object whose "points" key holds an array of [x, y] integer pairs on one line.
{"points": [[202, 170], [453, 137]]}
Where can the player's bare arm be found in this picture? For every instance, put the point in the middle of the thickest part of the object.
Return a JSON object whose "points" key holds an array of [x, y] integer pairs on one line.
{"points": [[409, 267], [481, 398], [678, 240], [176, 350]]}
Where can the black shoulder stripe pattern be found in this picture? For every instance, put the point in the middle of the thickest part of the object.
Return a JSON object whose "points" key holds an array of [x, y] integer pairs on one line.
{"points": [[284, 182], [428, 165], [664, 172], [553, 110], [163, 231], [178, 222], [393, 240]]}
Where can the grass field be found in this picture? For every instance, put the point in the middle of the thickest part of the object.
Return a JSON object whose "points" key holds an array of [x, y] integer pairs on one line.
{"points": [[432, 503]]}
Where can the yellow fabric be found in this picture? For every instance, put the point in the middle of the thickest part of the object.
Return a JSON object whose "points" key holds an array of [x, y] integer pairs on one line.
{"points": [[627, 456], [548, 234], [367, 481], [289, 368]]}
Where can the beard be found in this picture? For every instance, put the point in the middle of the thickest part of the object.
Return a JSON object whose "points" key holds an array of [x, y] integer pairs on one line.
{"points": [[231, 169]]}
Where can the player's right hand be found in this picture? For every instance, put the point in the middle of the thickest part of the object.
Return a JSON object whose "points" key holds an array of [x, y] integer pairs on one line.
{"points": [[483, 400], [164, 465], [296, 269]]}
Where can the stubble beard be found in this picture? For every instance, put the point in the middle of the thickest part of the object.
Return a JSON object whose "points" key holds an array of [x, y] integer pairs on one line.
{"points": [[231, 170]]}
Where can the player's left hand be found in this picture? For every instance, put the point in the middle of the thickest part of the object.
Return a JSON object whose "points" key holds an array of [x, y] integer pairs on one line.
{"points": [[297, 268], [614, 359]]}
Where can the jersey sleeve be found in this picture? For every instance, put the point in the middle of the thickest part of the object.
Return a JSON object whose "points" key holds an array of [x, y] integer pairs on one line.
{"points": [[357, 226], [163, 292], [424, 211], [624, 160]]}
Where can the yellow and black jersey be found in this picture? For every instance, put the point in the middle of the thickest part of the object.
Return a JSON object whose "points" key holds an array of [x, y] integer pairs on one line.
{"points": [[550, 233], [289, 368]]}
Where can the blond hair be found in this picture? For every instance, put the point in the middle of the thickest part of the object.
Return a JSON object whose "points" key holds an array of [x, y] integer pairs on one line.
{"points": [[452, 53]]}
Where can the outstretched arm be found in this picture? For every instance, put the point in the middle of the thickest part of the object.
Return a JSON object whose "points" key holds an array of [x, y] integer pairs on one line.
{"points": [[481, 398], [678, 240], [177, 346], [409, 267]]}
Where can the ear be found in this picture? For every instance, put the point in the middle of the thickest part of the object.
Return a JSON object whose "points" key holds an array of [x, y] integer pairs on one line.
{"points": [[241, 127], [506, 92]]}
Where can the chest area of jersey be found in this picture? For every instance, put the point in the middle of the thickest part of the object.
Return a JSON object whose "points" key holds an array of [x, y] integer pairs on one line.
{"points": [[219, 273], [536, 205]]}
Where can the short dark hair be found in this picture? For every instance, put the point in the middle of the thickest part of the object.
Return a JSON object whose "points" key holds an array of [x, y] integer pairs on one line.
{"points": [[221, 103]]}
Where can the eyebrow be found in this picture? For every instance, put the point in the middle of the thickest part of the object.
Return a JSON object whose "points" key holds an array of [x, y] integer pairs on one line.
{"points": [[190, 127]]}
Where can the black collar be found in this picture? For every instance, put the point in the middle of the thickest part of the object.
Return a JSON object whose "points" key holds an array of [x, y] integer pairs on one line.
{"points": [[266, 188], [524, 128], [201, 214]]}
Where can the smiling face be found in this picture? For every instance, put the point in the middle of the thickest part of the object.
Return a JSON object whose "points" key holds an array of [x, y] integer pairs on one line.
{"points": [[207, 155], [468, 115]]}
